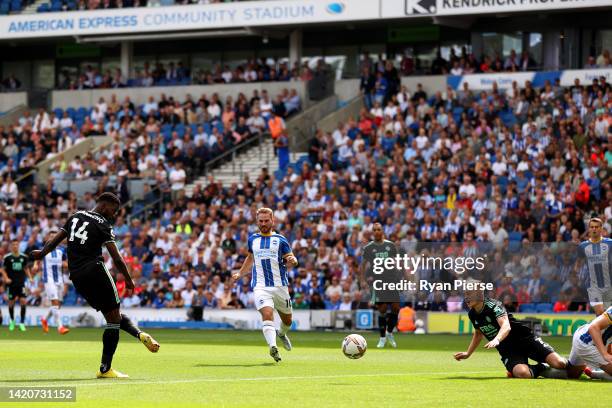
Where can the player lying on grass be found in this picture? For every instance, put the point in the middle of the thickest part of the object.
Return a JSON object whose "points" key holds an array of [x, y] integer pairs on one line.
{"points": [[269, 255], [591, 347], [87, 233], [514, 341]]}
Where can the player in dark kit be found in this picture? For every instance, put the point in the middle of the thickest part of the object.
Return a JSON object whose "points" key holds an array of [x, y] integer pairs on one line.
{"points": [[514, 341], [87, 232], [387, 302], [15, 272]]}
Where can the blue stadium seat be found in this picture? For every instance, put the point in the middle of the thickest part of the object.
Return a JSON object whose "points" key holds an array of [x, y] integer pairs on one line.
{"points": [[4, 9], [147, 268], [16, 5], [544, 307], [515, 236], [180, 129], [44, 8], [207, 128], [58, 112], [527, 308]]}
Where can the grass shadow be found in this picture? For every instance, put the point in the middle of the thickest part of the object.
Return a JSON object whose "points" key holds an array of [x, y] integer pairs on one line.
{"points": [[42, 380], [235, 365]]}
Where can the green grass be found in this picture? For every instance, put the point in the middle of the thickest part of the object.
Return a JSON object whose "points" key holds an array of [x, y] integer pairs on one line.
{"points": [[232, 368]]}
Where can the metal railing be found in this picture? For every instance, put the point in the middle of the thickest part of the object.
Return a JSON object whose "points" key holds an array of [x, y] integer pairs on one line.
{"points": [[233, 153]]}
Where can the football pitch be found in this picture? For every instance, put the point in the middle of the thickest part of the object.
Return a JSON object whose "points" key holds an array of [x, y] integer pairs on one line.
{"points": [[233, 368]]}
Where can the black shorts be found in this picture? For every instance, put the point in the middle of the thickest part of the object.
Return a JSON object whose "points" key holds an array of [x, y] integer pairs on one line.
{"points": [[95, 284], [528, 348], [16, 291]]}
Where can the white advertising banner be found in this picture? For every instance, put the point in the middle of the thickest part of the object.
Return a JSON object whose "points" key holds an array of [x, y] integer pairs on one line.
{"points": [[503, 80], [190, 17], [420, 8], [586, 76], [86, 316]]}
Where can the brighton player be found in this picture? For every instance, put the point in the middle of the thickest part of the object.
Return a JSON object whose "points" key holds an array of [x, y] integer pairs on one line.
{"points": [[591, 348], [52, 276], [387, 302], [269, 255], [595, 255]]}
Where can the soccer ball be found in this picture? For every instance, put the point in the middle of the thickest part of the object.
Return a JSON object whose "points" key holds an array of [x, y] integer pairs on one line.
{"points": [[354, 346]]}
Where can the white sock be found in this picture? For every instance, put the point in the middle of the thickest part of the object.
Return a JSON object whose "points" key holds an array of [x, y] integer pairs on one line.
{"points": [[601, 375], [56, 315], [284, 328], [269, 332]]}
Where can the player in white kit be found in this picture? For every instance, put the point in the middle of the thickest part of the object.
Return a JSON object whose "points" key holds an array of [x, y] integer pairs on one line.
{"points": [[592, 347], [53, 277], [595, 255], [269, 256]]}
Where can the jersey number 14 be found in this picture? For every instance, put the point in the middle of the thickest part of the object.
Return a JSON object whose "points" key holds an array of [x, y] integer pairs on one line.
{"points": [[81, 233]]}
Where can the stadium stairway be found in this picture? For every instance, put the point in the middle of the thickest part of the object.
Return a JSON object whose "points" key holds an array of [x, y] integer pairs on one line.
{"points": [[33, 8], [249, 162]]}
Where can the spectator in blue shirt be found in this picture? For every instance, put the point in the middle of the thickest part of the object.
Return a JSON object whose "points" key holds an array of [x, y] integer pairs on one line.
{"points": [[380, 88]]}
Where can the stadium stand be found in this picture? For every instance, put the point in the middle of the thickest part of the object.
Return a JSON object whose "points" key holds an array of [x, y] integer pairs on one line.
{"points": [[519, 166]]}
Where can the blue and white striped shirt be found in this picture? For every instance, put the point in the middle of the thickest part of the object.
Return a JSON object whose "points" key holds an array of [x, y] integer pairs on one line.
{"points": [[598, 260], [269, 268], [52, 266]]}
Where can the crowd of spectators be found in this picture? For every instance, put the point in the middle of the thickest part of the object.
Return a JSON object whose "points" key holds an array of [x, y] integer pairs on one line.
{"points": [[10, 83], [157, 141], [177, 73], [497, 168], [113, 4], [603, 60]]}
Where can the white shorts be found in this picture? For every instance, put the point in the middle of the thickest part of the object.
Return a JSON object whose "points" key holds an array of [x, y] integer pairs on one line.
{"points": [[276, 297], [600, 296], [54, 291], [584, 351]]}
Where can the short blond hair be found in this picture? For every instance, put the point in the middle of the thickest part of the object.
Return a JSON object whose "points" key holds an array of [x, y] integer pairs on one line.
{"points": [[597, 220], [265, 210]]}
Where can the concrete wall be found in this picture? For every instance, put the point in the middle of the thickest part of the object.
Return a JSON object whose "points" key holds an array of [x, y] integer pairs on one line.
{"points": [[431, 84], [351, 109], [12, 116], [65, 99], [347, 89], [11, 100], [302, 128], [80, 149]]}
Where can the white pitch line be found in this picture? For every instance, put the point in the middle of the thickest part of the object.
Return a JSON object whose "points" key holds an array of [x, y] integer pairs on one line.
{"points": [[111, 382]]}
